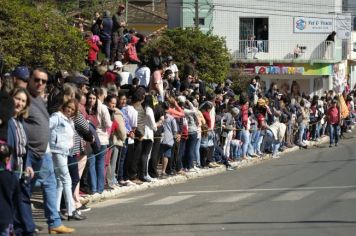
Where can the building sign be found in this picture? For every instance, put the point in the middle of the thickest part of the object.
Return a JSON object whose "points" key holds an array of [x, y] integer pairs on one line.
{"points": [[279, 70], [343, 26], [313, 25]]}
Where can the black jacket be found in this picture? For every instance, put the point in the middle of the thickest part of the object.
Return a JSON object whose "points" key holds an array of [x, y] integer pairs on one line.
{"points": [[10, 196]]}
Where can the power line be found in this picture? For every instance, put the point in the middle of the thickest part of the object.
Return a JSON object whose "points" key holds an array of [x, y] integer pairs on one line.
{"points": [[179, 6], [284, 2]]}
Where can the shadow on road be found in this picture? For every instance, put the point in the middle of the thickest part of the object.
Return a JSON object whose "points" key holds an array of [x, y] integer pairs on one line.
{"points": [[256, 222]]}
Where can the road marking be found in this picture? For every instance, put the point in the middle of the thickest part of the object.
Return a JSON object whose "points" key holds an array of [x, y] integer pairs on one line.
{"points": [[120, 201], [234, 198], [268, 189], [293, 196], [169, 200], [348, 196]]}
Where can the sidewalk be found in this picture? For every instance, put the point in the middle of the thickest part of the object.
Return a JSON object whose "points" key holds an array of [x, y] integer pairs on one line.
{"points": [[112, 194]]}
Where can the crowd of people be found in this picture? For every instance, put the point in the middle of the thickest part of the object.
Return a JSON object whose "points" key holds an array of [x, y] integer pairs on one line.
{"points": [[83, 133]]}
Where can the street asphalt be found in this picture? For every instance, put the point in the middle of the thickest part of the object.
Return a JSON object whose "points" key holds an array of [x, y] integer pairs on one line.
{"points": [[307, 192]]}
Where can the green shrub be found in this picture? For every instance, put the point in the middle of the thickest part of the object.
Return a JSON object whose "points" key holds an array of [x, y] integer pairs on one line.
{"points": [[39, 36]]}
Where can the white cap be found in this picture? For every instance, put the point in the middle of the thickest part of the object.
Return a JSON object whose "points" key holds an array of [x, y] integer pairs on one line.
{"points": [[181, 99], [118, 64]]}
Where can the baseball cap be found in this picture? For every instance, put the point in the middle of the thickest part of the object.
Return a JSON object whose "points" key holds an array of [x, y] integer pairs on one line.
{"points": [[118, 64], [21, 72], [80, 80], [122, 6], [169, 58]]}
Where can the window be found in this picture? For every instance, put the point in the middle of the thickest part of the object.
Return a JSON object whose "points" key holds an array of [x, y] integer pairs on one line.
{"points": [[201, 20], [254, 33], [257, 27]]}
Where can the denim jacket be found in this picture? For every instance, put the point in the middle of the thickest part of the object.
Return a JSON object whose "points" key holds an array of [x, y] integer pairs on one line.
{"points": [[62, 134]]}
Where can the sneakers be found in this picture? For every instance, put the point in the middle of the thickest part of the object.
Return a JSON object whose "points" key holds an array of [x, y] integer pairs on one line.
{"points": [[62, 215], [276, 156], [230, 168], [61, 230], [196, 168], [129, 183], [147, 179], [192, 170], [213, 165], [137, 181], [83, 208], [76, 216]]}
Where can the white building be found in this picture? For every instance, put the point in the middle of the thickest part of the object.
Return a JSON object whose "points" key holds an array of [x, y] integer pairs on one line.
{"points": [[280, 40]]}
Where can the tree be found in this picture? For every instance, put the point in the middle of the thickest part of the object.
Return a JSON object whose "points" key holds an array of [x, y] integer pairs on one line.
{"points": [[182, 44], [39, 36]]}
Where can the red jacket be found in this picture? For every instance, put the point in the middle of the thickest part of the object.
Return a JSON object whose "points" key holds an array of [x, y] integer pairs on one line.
{"points": [[244, 114], [93, 50], [131, 54], [333, 115], [207, 118]]}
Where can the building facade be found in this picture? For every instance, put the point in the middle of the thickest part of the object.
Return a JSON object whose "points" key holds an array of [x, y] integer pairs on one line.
{"points": [[279, 40]]}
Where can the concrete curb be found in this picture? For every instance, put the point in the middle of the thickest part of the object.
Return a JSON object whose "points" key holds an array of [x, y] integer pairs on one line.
{"points": [[117, 192]]}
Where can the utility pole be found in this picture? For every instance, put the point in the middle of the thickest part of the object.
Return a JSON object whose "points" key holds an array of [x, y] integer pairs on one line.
{"points": [[196, 19]]}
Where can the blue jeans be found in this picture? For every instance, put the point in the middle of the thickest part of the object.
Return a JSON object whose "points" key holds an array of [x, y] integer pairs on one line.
{"points": [[49, 187], [64, 182], [197, 152], [190, 151], [235, 150], [96, 170], [301, 133], [275, 144], [334, 133], [316, 130], [245, 139]]}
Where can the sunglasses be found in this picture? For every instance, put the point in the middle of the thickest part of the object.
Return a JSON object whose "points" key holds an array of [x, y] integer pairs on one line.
{"points": [[43, 81]]}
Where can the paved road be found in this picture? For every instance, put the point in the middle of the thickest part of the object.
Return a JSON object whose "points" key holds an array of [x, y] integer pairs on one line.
{"points": [[309, 192]]}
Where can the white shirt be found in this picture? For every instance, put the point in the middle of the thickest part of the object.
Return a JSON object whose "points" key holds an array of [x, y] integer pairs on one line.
{"points": [[173, 68], [132, 118], [126, 78], [144, 75], [150, 124]]}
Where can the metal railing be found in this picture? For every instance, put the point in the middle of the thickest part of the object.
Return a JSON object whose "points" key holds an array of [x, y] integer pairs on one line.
{"points": [[285, 50]]}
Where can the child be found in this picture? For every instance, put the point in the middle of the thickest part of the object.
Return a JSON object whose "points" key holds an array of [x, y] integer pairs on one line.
{"points": [[170, 135], [9, 193], [207, 148], [236, 148]]}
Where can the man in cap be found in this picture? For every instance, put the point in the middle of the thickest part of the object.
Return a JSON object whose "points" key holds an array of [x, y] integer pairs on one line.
{"points": [[119, 24], [123, 77], [81, 81], [20, 76]]}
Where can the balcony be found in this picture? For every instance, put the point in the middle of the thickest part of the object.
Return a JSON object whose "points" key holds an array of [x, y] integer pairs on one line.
{"points": [[291, 51]]}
